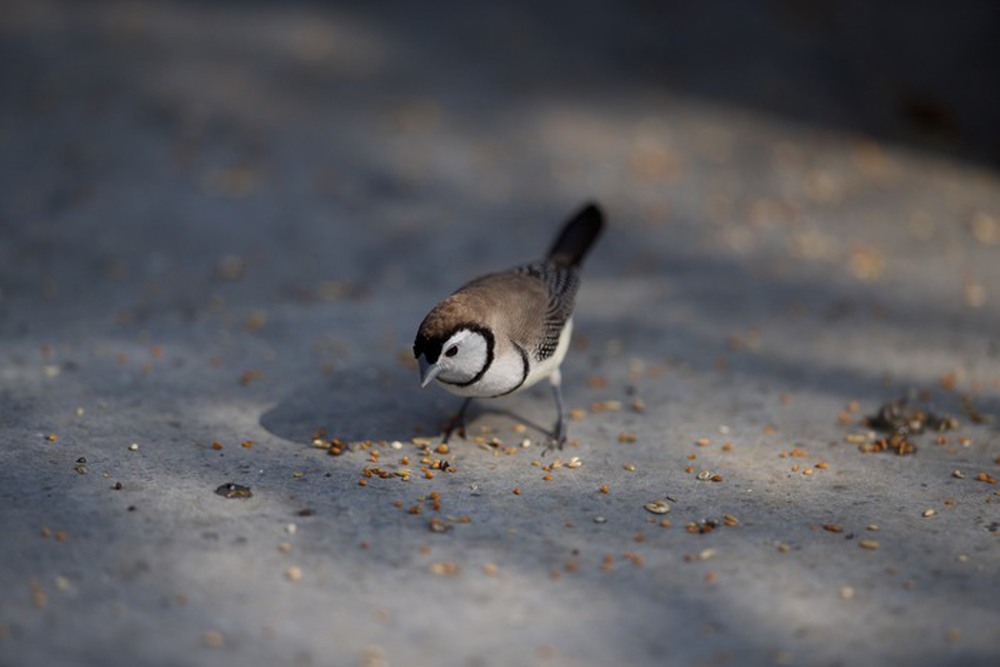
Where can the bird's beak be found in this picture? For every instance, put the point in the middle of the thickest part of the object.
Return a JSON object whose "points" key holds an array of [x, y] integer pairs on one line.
{"points": [[427, 371]]}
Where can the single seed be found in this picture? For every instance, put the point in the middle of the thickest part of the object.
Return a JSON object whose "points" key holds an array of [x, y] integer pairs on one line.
{"points": [[294, 573], [929, 512], [704, 476], [846, 593], [134, 447], [657, 507], [868, 544], [213, 639], [574, 462]]}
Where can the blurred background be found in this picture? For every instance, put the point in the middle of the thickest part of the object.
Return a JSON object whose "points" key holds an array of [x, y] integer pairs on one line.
{"points": [[222, 222], [218, 133]]}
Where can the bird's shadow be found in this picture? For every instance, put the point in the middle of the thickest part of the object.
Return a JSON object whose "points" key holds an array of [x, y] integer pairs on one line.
{"points": [[376, 404]]}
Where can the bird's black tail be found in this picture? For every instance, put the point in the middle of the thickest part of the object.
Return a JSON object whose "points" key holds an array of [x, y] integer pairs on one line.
{"points": [[577, 236]]}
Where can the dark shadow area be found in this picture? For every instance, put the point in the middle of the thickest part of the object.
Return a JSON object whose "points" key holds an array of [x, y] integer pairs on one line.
{"points": [[921, 73]]}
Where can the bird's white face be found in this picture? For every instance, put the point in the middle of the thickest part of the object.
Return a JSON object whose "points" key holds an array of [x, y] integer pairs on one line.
{"points": [[463, 359]]}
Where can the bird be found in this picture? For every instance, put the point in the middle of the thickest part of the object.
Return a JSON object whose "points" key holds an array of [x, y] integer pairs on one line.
{"points": [[506, 331]]}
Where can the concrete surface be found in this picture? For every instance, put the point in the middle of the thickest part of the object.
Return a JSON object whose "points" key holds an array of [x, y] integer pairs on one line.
{"points": [[222, 223]]}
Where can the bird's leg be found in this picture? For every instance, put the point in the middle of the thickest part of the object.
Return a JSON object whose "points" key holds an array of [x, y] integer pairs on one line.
{"points": [[559, 434], [458, 421]]}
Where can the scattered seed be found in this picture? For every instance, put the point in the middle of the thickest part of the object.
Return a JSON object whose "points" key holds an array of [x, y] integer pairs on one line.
{"points": [[574, 462], [846, 593], [704, 476], [436, 525], [928, 512], [868, 544], [38, 597], [233, 490], [730, 520], [445, 568], [605, 489], [600, 519], [134, 447], [986, 477], [833, 528], [517, 491], [657, 507], [293, 573], [630, 467], [490, 570], [958, 474], [285, 547], [213, 639]]}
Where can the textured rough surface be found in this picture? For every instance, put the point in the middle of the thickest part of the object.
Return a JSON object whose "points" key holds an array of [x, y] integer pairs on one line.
{"points": [[223, 222]]}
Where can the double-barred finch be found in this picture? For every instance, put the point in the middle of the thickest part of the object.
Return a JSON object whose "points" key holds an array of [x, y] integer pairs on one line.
{"points": [[504, 332]]}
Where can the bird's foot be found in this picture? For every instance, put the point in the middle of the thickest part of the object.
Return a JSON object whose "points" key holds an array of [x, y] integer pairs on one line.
{"points": [[457, 423], [557, 440], [452, 427]]}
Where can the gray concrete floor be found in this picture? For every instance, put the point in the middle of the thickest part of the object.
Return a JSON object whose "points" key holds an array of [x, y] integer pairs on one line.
{"points": [[221, 224]]}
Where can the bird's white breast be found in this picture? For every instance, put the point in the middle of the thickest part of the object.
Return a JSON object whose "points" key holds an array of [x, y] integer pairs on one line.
{"points": [[506, 371]]}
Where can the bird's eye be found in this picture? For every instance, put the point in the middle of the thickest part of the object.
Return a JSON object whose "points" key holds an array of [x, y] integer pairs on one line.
{"points": [[451, 351]]}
